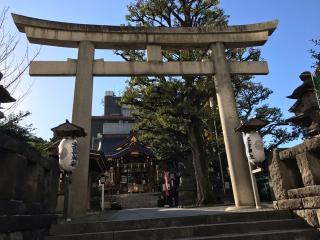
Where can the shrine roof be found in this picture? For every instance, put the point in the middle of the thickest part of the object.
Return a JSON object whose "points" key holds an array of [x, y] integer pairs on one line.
{"points": [[130, 145]]}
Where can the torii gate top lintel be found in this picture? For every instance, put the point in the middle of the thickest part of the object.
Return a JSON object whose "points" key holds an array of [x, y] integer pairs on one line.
{"points": [[114, 37]]}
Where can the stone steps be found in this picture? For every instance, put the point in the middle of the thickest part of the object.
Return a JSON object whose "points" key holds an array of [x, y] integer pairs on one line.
{"points": [[100, 225], [295, 234], [245, 225]]}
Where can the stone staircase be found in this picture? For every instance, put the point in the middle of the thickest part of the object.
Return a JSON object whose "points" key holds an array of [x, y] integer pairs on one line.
{"points": [[264, 225]]}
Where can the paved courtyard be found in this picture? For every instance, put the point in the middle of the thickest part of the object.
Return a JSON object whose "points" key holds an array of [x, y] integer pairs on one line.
{"points": [[151, 213]]}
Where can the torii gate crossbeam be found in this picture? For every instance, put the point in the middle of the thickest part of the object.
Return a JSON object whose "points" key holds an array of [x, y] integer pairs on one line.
{"points": [[87, 38]]}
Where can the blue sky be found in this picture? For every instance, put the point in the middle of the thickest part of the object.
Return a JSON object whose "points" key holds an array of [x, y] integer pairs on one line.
{"points": [[50, 100]]}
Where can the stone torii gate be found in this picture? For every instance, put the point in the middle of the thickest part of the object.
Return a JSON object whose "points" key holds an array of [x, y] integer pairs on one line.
{"points": [[87, 38]]}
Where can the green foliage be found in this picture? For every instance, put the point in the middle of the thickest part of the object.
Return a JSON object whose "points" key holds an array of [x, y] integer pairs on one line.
{"points": [[173, 13], [315, 54], [12, 127], [160, 115]]}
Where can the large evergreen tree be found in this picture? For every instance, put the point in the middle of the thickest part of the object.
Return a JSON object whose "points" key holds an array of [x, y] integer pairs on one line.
{"points": [[173, 113]]}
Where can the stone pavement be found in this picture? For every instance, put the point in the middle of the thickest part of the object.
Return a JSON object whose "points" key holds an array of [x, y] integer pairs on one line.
{"points": [[153, 213]]}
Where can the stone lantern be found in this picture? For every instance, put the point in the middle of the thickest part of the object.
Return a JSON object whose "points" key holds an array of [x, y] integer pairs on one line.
{"points": [[254, 150], [68, 147], [5, 96], [68, 156], [252, 139]]}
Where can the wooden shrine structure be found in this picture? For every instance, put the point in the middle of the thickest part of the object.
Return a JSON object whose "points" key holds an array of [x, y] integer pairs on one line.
{"points": [[132, 168]]}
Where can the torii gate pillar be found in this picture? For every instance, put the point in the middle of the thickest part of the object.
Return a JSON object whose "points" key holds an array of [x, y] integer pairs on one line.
{"points": [[237, 160], [81, 115]]}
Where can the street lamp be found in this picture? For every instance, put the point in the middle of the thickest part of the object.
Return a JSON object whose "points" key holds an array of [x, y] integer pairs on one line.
{"points": [[68, 156], [254, 149]]}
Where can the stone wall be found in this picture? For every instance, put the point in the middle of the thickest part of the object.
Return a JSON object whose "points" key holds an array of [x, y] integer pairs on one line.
{"points": [[295, 175], [29, 185]]}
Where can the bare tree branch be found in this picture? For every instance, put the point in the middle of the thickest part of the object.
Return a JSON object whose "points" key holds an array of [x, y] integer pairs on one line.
{"points": [[12, 65]]}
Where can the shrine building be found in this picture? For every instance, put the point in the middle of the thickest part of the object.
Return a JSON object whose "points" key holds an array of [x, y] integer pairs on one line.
{"points": [[131, 167]]}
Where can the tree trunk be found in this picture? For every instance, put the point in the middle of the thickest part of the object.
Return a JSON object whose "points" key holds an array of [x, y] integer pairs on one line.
{"points": [[200, 162]]}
